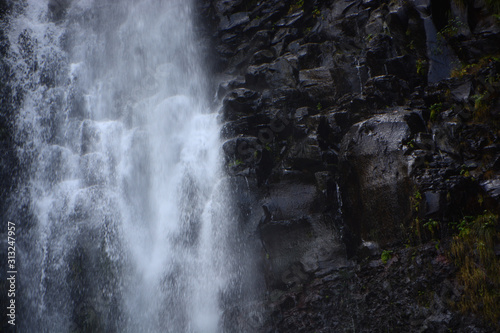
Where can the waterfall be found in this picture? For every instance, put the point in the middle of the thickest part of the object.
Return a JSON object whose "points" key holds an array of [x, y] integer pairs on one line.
{"points": [[127, 227]]}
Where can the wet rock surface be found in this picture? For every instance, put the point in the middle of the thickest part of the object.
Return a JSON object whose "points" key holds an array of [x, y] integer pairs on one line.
{"points": [[356, 123]]}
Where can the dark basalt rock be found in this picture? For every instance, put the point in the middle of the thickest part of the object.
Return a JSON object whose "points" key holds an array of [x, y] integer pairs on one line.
{"points": [[373, 159], [343, 124], [235, 20], [297, 246], [492, 187], [386, 90], [274, 75], [304, 155], [379, 50], [241, 149], [262, 56], [290, 20], [225, 7], [317, 83]]}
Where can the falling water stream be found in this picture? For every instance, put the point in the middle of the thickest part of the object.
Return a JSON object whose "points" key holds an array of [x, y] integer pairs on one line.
{"points": [[127, 229]]}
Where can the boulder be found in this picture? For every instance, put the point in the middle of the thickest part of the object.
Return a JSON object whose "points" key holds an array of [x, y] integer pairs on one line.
{"points": [[375, 177]]}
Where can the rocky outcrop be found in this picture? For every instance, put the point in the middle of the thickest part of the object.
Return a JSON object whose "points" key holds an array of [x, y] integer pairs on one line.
{"points": [[361, 125], [375, 173]]}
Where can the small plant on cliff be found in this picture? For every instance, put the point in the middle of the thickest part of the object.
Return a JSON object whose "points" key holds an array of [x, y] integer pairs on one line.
{"points": [[464, 171], [235, 163], [431, 225], [415, 200], [481, 106], [316, 12], [436, 109], [473, 251], [386, 255], [451, 29], [474, 68], [421, 66], [415, 235], [297, 5]]}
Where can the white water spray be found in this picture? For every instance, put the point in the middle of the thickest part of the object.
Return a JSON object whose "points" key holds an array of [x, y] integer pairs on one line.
{"points": [[127, 229]]}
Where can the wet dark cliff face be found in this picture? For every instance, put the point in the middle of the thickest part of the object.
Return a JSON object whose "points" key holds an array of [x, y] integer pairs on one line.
{"points": [[362, 138]]}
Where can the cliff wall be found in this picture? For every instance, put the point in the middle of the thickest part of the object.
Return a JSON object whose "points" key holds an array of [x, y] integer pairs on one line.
{"points": [[362, 140]]}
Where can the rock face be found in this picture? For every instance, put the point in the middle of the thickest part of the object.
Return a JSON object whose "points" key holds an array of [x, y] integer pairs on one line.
{"points": [[360, 126], [375, 175]]}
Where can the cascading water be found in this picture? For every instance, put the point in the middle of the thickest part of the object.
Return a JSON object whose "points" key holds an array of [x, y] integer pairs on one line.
{"points": [[127, 229]]}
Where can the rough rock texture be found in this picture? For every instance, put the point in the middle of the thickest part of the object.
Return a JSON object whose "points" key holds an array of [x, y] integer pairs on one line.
{"points": [[359, 126]]}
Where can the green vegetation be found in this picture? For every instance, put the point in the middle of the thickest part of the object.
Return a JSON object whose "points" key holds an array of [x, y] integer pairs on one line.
{"points": [[473, 251], [316, 12], [473, 69], [484, 70], [424, 231], [436, 109], [411, 144], [319, 107], [235, 163], [421, 66], [481, 106], [415, 200], [297, 5], [421, 230], [431, 225], [451, 29], [464, 171], [386, 255]]}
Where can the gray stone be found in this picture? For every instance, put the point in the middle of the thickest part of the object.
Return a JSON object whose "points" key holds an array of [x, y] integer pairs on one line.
{"points": [[372, 158], [233, 21], [492, 187], [462, 92], [317, 83], [432, 202]]}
